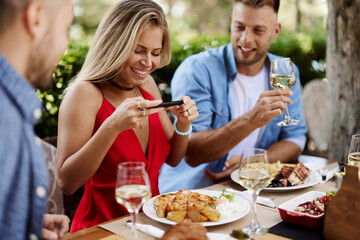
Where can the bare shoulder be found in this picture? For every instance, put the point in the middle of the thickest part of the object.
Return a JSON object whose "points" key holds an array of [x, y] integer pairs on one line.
{"points": [[83, 87], [151, 87], [83, 93]]}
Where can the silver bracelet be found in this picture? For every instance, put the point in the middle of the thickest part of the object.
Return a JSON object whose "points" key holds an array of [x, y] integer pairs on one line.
{"points": [[182, 133]]}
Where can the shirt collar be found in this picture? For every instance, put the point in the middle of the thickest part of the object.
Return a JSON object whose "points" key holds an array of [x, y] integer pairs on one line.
{"points": [[230, 64], [20, 91]]}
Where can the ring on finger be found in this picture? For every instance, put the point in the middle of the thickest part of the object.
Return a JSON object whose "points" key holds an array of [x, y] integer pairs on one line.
{"points": [[139, 105], [142, 112]]}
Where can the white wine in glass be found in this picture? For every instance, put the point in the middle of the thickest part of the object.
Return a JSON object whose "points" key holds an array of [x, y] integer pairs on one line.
{"points": [[282, 81], [354, 151], [132, 188], [282, 76], [254, 175], [132, 196]]}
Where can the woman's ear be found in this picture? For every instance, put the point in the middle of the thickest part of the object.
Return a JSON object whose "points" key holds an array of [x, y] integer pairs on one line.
{"points": [[35, 20]]}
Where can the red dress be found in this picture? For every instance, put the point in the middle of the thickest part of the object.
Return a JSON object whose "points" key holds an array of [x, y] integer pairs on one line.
{"points": [[98, 203]]}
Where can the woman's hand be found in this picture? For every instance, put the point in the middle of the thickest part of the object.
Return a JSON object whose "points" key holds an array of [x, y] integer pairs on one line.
{"points": [[187, 112], [131, 112]]}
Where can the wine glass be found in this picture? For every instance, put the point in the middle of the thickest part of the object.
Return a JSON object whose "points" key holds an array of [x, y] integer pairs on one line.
{"points": [[354, 151], [282, 76], [132, 188], [254, 175]]}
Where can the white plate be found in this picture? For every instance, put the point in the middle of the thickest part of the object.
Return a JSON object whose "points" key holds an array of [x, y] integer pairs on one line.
{"points": [[312, 179], [149, 209], [312, 162]]}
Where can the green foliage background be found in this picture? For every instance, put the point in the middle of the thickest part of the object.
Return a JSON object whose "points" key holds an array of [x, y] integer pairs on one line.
{"points": [[307, 51], [67, 68]]}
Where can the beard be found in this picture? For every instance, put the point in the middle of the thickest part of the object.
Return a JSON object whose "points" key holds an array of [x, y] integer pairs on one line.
{"points": [[41, 65], [249, 61], [260, 53]]}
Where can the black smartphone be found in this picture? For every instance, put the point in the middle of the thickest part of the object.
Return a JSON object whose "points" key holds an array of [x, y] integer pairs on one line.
{"points": [[169, 104]]}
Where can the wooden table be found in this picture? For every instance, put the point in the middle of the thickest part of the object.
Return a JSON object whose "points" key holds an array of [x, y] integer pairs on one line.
{"points": [[266, 215]]}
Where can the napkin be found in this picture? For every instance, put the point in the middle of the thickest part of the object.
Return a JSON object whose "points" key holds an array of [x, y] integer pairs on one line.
{"points": [[148, 229], [328, 174], [247, 195]]}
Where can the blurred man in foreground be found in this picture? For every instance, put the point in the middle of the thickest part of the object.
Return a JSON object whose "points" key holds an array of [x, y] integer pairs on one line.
{"points": [[33, 36]]}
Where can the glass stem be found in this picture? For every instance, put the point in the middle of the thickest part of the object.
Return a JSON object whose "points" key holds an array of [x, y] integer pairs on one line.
{"points": [[254, 222], [287, 116], [133, 229]]}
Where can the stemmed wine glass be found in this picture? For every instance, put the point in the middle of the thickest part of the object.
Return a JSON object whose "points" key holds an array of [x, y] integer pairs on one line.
{"points": [[282, 76], [254, 175], [354, 151], [132, 188]]}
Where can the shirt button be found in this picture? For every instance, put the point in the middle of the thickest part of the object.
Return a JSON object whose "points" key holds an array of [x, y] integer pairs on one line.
{"points": [[222, 111], [37, 113], [33, 236], [40, 192], [38, 141]]}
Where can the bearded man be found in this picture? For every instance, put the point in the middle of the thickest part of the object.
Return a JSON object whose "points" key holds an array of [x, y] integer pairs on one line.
{"points": [[238, 109]]}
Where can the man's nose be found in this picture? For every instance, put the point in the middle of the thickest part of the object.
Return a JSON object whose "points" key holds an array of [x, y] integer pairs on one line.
{"points": [[247, 36]]}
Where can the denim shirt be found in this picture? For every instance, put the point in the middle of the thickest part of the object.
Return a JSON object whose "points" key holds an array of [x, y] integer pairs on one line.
{"points": [[23, 173], [206, 78]]}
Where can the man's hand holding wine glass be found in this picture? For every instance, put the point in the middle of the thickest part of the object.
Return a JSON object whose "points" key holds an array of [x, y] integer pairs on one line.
{"points": [[282, 76], [269, 105]]}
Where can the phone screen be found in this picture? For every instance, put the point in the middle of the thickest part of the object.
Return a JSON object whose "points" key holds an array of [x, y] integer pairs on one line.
{"points": [[169, 104]]}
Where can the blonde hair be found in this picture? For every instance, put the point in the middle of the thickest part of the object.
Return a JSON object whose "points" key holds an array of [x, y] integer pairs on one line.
{"points": [[117, 36]]}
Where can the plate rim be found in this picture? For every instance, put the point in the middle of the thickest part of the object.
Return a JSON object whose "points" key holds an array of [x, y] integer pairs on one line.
{"points": [[150, 203], [316, 175]]}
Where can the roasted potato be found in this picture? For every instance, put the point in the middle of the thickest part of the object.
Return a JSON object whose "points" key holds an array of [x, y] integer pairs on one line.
{"points": [[211, 214], [199, 206], [194, 215], [168, 208], [176, 216], [176, 206], [160, 211], [186, 206], [203, 218]]}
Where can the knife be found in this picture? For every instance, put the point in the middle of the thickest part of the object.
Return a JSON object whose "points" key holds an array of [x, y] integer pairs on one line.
{"points": [[247, 195]]}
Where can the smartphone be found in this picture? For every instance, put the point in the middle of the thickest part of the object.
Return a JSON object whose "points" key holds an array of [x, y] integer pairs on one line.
{"points": [[169, 104]]}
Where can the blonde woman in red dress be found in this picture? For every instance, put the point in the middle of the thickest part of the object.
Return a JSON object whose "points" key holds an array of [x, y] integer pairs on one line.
{"points": [[105, 117]]}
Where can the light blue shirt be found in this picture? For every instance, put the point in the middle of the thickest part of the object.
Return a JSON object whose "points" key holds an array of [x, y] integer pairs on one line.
{"points": [[23, 173], [206, 77]]}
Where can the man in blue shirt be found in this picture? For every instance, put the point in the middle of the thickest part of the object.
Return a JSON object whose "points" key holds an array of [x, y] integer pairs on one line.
{"points": [[238, 108], [33, 36]]}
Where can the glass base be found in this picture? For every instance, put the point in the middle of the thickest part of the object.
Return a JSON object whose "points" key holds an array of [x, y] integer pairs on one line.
{"points": [[259, 230], [288, 122]]}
